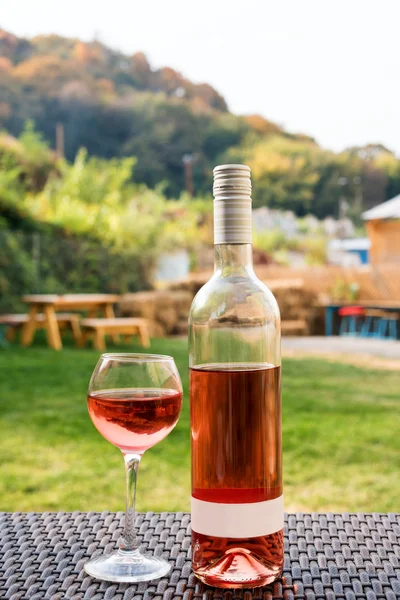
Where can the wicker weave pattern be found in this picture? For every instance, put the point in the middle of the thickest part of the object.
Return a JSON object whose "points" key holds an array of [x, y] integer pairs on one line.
{"points": [[332, 556]]}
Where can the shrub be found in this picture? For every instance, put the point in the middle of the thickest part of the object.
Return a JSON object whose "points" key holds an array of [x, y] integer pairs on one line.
{"points": [[52, 263]]}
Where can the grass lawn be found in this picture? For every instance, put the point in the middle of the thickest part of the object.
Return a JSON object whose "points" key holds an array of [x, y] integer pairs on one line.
{"points": [[341, 429]]}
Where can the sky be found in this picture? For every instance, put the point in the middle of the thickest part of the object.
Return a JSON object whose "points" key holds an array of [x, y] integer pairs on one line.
{"points": [[326, 68]]}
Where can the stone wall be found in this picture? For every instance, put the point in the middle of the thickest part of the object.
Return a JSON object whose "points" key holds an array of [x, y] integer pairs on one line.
{"points": [[167, 310], [300, 293]]}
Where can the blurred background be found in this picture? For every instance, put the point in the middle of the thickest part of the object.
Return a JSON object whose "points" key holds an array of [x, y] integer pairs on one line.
{"points": [[111, 125], [112, 117]]}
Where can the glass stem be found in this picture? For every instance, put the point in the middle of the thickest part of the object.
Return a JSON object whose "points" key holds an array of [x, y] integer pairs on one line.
{"points": [[128, 541]]}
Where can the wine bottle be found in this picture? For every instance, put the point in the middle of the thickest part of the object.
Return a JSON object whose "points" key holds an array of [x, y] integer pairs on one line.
{"points": [[235, 403]]}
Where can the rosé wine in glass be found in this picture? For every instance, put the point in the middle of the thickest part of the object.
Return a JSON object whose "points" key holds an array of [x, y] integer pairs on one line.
{"points": [[135, 419]]}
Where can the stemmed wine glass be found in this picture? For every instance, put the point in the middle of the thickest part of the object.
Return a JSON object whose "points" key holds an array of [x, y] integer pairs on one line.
{"points": [[134, 401]]}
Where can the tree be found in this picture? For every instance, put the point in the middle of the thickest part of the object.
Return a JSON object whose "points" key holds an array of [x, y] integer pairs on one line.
{"points": [[141, 70], [389, 164], [283, 171], [261, 125]]}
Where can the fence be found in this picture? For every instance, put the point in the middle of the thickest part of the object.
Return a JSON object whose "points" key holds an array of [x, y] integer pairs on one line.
{"points": [[380, 282], [369, 282]]}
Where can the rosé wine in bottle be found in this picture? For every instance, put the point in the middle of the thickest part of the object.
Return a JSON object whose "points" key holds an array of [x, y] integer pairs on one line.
{"points": [[135, 419], [235, 402]]}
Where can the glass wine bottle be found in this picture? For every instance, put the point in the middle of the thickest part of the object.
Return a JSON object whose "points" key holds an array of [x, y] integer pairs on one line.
{"points": [[235, 398]]}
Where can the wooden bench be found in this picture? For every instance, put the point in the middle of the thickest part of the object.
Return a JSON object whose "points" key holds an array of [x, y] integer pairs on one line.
{"points": [[99, 328], [15, 323]]}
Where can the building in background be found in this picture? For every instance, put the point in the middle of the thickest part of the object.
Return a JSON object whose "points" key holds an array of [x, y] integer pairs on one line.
{"points": [[383, 227], [338, 228], [349, 253], [267, 219]]}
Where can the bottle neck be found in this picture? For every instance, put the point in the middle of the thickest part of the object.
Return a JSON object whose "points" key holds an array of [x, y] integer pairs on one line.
{"points": [[233, 253], [231, 259]]}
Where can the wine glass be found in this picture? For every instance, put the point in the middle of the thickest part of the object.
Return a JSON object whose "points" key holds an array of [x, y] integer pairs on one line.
{"points": [[134, 401]]}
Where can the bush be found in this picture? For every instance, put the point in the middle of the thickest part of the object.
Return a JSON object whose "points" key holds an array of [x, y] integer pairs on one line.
{"points": [[88, 229], [50, 263], [316, 251], [17, 269]]}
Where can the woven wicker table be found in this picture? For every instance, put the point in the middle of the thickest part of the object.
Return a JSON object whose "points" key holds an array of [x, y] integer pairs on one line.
{"points": [[327, 556]]}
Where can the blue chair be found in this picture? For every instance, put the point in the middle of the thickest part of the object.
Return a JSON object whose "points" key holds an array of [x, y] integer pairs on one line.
{"points": [[388, 325], [380, 324], [350, 317], [372, 323]]}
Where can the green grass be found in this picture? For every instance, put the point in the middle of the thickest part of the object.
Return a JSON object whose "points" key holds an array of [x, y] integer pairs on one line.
{"points": [[341, 429]]}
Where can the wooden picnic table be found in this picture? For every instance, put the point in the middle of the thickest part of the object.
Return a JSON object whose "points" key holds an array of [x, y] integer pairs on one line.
{"points": [[331, 309], [50, 304], [332, 556]]}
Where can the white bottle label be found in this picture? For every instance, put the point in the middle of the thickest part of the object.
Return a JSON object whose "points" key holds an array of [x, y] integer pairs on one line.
{"points": [[252, 519]]}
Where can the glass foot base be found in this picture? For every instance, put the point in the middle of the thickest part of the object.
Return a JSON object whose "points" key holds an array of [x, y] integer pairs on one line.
{"points": [[125, 566]]}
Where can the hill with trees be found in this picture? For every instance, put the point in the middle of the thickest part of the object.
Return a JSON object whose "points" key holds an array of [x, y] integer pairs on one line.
{"points": [[116, 106]]}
